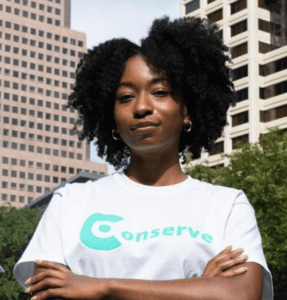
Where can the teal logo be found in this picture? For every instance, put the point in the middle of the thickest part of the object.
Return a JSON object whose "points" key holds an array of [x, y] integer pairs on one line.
{"points": [[109, 243], [90, 240]]}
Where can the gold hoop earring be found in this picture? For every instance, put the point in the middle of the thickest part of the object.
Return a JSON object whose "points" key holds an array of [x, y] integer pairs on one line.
{"points": [[113, 132], [189, 127]]}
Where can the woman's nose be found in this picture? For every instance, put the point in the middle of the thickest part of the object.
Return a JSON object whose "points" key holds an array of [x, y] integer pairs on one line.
{"points": [[143, 102]]}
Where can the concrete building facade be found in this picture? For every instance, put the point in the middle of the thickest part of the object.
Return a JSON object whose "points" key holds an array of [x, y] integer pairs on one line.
{"points": [[39, 54], [256, 33]]}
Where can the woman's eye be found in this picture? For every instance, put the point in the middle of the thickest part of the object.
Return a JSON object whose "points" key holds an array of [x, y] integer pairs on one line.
{"points": [[161, 93], [125, 97]]}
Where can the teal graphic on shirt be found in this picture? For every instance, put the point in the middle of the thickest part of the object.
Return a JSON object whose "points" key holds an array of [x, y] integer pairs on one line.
{"points": [[97, 243], [109, 243]]}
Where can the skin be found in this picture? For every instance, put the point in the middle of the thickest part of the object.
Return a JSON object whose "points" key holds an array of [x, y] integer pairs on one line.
{"points": [[221, 279], [154, 155]]}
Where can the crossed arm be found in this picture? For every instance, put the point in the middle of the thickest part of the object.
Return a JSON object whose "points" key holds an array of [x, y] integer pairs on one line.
{"points": [[247, 286]]}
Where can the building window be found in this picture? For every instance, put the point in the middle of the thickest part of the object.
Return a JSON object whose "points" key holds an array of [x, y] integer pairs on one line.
{"points": [[264, 48], [192, 6], [273, 114], [81, 43], [47, 151], [215, 16], [273, 67], [239, 28], [39, 189], [241, 95], [49, 21], [238, 6], [240, 118], [264, 25], [239, 73], [239, 50], [273, 90]]}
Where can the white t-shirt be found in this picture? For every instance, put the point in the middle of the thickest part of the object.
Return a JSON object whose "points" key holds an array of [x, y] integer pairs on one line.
{"points": [[117, 228]]}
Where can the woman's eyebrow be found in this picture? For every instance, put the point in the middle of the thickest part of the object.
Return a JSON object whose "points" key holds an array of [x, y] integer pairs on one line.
{"points": [[154, 80]]}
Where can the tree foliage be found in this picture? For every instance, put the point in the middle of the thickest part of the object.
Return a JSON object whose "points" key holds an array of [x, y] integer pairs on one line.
{"points": [[17, 227], [260, 170]]}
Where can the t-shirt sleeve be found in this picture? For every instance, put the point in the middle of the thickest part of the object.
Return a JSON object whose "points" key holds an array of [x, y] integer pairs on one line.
{"points": [[242, 231], [46, 243]]}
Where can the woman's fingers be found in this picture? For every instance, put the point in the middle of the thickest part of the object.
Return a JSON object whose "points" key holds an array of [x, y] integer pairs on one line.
{"points": [[233, 262], [232, 273]]}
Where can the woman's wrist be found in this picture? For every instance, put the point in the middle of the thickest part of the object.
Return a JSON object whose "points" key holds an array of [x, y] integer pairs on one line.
{"points": [[108, 286]]}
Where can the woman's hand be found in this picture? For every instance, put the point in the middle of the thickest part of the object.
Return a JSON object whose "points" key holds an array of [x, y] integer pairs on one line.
{"points": [[220, 264], [59, 282]]}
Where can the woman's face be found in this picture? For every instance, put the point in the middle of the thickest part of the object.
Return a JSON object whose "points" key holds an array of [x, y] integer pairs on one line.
{"points": [[143, 96]]}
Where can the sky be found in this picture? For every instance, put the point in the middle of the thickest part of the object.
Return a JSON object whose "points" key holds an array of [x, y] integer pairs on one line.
{"points": [[103, 20]]}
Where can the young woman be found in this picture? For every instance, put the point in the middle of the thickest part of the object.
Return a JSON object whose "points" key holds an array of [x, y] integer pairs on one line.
{"points": [[150, 231]]}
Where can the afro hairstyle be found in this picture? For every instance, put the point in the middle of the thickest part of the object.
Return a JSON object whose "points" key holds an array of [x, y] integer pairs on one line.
{"points": [[190, 51]]}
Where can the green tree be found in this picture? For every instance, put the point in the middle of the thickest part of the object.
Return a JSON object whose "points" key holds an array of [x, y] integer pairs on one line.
{"points": [[260, 170], [17, 227]]}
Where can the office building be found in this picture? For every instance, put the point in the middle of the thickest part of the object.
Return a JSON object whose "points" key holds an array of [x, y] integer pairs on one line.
{"points": [[256, 33], [39, 54]]}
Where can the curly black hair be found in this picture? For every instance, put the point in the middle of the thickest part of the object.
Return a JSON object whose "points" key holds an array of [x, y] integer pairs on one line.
{"points": [[190, 51]]}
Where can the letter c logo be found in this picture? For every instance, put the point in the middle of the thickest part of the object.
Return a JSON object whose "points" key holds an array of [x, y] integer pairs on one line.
{"points": [[90, 240]]}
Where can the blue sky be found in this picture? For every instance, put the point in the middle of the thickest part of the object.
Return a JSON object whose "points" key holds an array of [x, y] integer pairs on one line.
{"points": [[102, 20]]}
